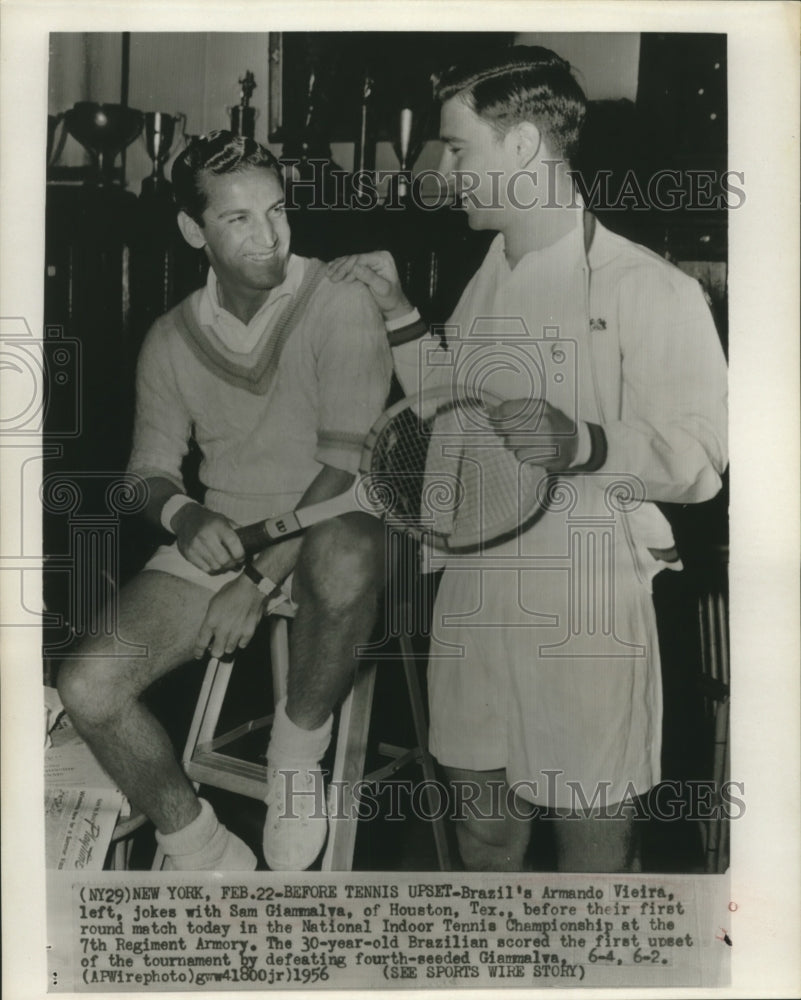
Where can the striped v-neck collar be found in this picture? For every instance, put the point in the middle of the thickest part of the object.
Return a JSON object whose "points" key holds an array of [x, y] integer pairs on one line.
{"points": [[255, 376], [236, 336]]}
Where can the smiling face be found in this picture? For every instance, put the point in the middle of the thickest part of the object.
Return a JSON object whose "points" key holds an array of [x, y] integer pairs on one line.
{"points": [[245, 232], [479, 161]]}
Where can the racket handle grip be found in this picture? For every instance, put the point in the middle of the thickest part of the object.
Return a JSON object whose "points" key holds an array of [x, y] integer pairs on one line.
{"points": [[254, 537]]}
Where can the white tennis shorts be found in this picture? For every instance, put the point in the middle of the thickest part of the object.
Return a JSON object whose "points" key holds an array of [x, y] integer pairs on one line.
{"points": [[167, 559], [526, 675]]}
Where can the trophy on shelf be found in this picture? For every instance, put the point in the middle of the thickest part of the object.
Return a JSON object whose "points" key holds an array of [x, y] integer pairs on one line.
{"points": [[364, 149], [407, 148], [159, 135], [104, 130], [53, 150], [243, 116]]}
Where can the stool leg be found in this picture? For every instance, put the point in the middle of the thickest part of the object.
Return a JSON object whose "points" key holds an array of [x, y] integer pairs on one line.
{"points": [[279, 656], [209, 705], [420, 720], [351, 750], [120, 856]]}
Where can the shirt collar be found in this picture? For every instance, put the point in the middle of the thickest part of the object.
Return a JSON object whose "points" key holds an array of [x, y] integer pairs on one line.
{"points": [[565, 247], [212, 314]]}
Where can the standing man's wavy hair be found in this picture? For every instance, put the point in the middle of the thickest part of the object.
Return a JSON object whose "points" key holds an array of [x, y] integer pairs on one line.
{"points": [[521, 84], [218, 152]]}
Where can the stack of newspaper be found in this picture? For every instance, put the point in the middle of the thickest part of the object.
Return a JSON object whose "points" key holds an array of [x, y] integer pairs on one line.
{"points": [[82, 803]]}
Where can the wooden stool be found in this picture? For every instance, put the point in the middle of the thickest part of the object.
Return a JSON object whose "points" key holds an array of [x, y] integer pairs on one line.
{"points": [[205, 762]]}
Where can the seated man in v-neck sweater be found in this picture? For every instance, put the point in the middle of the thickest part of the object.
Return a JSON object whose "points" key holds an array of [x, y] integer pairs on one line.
{"points": [[278, 374]]}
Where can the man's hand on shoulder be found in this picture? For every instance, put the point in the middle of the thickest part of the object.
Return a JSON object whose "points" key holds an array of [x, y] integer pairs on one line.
{"points": [[377, 271], [206, 539], [231, 618]]}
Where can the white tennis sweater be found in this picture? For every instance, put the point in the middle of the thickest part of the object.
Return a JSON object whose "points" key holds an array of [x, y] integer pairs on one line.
{"points": [[267, 420], [616, 337]]}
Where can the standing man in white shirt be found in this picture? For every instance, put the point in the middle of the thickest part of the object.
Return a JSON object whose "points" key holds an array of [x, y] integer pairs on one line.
{"points": [[278, 374], [554, 703]]}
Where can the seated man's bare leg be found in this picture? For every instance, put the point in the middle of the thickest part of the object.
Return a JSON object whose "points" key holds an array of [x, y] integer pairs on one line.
{"points": [[101, 690], [593, 843], [338, 579], [492, 829]]}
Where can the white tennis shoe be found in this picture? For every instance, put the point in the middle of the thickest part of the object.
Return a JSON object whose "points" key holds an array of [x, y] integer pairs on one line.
{"points": [[297, 821]]}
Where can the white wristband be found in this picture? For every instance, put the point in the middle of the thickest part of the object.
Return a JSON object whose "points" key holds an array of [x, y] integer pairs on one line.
{"points": [[401, 321], [258, 579], [267, 587], [171, 508]]}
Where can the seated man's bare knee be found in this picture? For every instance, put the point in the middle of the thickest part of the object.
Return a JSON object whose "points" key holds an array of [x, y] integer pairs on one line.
{"points": [[92, 693], [342, 559]]}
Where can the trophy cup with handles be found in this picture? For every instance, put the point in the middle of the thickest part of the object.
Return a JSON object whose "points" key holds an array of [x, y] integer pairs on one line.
{"points": [[54, 149], [104, 130], [407, 148], [160, 129]]}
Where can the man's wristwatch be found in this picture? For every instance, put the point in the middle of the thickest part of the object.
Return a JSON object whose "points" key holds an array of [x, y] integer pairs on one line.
{"points": [[264, 583]]}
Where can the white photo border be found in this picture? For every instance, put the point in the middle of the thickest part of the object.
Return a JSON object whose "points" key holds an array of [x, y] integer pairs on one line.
{"points": [[764, 355]]}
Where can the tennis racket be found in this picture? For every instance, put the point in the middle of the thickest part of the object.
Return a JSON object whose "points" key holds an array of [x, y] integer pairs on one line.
{"points": [[433, 466]]}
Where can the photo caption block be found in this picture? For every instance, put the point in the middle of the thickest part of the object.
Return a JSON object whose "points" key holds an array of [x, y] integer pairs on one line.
{"points": [[157, 932]]}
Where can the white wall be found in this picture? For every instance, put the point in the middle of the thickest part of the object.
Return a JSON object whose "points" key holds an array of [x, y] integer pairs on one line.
{"points": [[606, 66], [83, 67], [606, 63], [197, 73]]}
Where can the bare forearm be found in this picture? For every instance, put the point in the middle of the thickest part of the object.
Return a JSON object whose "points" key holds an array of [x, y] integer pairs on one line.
{"points": [[278, 561], [160, 491]]}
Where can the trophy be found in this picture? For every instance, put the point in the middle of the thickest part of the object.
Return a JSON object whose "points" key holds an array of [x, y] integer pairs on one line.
{"points": [[53, 122], [243, 116], [407, 148], [159, 134], [104, 130], [365, 147]]}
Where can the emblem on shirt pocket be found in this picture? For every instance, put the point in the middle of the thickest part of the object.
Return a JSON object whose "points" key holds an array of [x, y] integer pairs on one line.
{"points": [[597, 324]]}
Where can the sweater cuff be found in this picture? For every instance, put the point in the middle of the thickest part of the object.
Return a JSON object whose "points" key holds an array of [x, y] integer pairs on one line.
{"points": [[400, 321], [595, 456], [410, 331], [339, 449], [171, 508]]}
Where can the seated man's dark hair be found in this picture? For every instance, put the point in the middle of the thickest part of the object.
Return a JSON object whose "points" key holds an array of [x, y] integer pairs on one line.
{"points": [[521, 84], [217, 152]]}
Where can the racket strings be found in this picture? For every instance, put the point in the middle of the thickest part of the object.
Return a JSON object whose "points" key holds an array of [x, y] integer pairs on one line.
{"points": [[398, 465], [448, 475]]}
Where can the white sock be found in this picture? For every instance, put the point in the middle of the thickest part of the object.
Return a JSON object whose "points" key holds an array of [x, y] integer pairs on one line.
{"points": [[291, 746], [205, 845]]}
